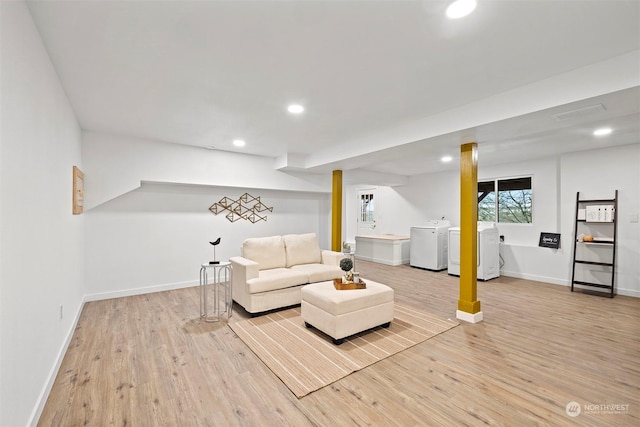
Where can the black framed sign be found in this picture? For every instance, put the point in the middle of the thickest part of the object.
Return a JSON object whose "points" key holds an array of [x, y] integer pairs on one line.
{"points": [[549, 240]]}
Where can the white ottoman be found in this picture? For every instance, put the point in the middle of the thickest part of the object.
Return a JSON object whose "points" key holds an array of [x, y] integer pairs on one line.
{"points": [[340, 314]]}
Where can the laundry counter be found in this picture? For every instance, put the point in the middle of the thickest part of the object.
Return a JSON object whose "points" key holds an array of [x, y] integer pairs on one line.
{"points": [[389, 249]]}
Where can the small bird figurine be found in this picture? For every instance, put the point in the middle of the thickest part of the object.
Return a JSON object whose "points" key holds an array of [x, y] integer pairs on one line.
{"points": [[215, 243]]}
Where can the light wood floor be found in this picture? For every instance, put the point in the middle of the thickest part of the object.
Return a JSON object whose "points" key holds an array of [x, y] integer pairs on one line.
{"points": [[149, 361]]}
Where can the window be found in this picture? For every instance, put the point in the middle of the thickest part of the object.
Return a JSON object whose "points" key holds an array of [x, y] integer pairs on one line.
{"points": [[366, 207], [487, 201], [512, 204]]}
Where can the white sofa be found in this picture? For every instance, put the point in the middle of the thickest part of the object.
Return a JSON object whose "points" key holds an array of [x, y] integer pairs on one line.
{"points": [[272, 270]]}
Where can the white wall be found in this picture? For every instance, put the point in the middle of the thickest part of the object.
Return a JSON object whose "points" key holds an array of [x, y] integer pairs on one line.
{"points": [[41, 250], [555, 183], [156, 237], [148, 223], [596, 175], [431, 196], [115, 165], [394, 213], [520, 253]]}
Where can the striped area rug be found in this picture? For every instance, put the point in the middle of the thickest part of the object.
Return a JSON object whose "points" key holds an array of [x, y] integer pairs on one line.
{"points": [[307, 360]]}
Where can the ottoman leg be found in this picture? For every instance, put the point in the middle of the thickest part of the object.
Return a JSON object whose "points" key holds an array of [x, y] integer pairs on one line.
{"points": [[386, 325], [308, 325], [338, 342]]}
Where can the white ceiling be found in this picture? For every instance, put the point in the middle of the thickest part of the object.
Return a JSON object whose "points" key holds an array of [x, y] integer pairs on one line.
{"points": [[388, 86]]}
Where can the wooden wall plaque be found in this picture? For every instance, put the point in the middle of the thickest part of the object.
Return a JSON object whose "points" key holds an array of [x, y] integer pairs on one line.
{"points": [[78, 191]]}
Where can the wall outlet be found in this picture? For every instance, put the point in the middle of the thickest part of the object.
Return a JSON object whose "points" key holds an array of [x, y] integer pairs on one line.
{"points": [[61, 311], [633, 217]]}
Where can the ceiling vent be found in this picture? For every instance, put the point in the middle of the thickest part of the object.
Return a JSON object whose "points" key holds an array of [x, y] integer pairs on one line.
{"points": [[579, 113]]}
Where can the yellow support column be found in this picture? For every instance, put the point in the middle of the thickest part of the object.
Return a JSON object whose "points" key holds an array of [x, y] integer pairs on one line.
{"points": [[336, 211], [468, 304]]}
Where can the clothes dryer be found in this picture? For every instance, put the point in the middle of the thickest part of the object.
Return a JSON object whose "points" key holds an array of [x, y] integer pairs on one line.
{"points": [[488, 251], [453, 267], [429, 245]]}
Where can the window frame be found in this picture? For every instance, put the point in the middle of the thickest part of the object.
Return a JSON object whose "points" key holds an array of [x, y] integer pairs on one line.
{"points": [[496, 195]]}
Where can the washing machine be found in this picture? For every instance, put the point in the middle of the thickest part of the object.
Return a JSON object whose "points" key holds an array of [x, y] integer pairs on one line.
{"points": [[488, 251], [429, 245]]}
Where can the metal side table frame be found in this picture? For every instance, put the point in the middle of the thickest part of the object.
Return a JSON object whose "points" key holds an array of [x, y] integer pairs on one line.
{"points": [[221, 278]]}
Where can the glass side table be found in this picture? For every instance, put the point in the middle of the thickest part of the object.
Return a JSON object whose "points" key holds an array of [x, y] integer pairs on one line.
{"points": [[221, 274]]}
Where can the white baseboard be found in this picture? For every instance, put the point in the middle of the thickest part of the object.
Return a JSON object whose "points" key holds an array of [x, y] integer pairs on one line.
{"points": [[628, 292], [625, 292], [535, 277], [140, 291], [554, 281], [384, 261], [44, 394]]}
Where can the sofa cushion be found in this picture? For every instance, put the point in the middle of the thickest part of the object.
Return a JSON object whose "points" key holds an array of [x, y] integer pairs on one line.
{"points": [[302, 249], [268, 252], [276, 278], [319, 272]]}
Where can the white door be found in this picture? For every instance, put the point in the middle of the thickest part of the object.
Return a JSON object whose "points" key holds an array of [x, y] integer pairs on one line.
{"points": [[367, 201]]}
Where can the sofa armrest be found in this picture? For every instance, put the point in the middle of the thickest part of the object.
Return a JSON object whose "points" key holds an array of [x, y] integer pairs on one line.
{"points": [[332, 257], [244, 269]]}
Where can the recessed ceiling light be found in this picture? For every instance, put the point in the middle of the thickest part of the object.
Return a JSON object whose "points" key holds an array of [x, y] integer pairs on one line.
{"points": [[602, 131], [446, 159], [295, 108], [460, 8], [238, 143]]}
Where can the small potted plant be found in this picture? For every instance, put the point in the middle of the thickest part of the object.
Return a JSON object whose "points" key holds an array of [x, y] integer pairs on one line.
{"points": [[346, 265]]}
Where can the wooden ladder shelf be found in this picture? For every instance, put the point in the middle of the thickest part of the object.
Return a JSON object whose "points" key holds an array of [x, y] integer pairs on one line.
{"points": [[594, 245]]}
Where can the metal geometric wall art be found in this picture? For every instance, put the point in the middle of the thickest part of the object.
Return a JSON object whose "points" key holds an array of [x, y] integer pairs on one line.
{"points": [[246, 207]]}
